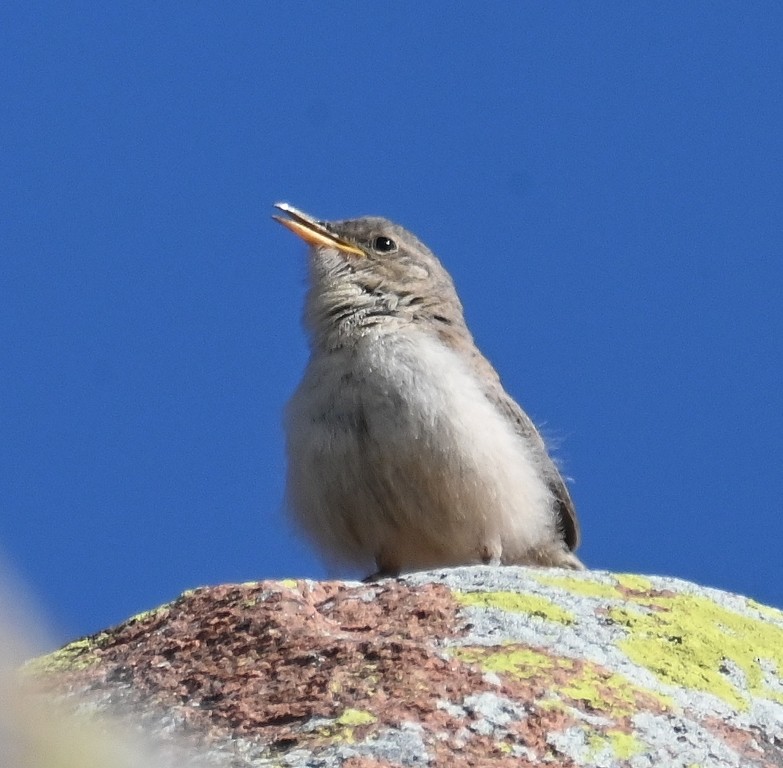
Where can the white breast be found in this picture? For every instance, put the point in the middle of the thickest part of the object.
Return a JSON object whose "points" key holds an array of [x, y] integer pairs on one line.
{"points": [[393, 448]]}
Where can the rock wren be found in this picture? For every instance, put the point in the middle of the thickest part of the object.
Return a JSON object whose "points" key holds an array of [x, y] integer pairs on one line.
{"points": [[403, 447]]}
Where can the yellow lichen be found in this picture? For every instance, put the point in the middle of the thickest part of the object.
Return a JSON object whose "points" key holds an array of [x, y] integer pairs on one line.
{"points": [[620, 745], [599, 688], [516, 602], [146, 614], [634, 583], [76, 655], [343, 729], [625, 745], [602, 691], [518, 661], [578, 586], [354, 717], [686, 640]]}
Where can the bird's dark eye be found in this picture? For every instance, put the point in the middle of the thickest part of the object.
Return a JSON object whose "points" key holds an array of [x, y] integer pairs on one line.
{"points": [[384, 245]]}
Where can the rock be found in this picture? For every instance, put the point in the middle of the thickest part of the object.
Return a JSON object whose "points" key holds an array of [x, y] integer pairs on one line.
{"points": [[465, 667]]}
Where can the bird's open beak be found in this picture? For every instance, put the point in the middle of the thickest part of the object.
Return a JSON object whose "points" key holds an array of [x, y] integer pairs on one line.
{"points": [[313, 231]]}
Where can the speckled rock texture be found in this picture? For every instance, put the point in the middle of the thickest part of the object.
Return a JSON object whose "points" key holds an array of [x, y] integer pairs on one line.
{"points": [[464, 667]]}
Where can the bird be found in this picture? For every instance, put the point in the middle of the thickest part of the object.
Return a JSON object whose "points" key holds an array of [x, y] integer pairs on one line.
{"points": [[404, 451]]}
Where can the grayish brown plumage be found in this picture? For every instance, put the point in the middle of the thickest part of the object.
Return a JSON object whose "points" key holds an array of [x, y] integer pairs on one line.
{"points": [[403, 447]]}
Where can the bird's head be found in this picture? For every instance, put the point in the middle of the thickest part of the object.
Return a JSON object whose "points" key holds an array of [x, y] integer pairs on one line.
{"points": [[370, 272]]}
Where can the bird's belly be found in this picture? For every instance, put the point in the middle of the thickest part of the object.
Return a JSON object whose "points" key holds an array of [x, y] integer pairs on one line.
{"points": [[395, 452]]}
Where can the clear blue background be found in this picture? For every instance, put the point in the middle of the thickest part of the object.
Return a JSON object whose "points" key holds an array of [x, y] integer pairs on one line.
{"points": [[603, 180]]}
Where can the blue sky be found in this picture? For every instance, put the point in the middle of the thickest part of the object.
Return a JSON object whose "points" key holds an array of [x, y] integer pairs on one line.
{"points": [[604, 181]]}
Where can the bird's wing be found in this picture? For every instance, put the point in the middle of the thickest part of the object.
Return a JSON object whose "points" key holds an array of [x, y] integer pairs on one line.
{"points": [[493, 389]]}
